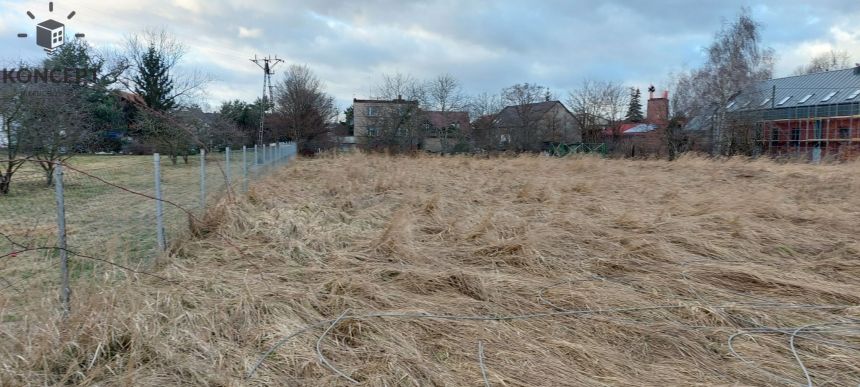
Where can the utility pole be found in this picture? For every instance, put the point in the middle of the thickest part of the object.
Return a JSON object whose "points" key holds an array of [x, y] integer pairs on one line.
{"points": [[268, 65]]}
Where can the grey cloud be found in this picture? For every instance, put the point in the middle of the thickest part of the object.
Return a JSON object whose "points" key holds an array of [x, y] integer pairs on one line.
{"points": [[488, 44]]}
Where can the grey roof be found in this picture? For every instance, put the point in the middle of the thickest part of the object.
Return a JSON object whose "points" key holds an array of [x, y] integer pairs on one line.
{"points": [[800, 90], [641, 128], [510, 116], [789, 99], [50, 24]]}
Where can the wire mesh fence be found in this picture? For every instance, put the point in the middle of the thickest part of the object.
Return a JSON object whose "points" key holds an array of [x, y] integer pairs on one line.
{"points": [[111, 206]]}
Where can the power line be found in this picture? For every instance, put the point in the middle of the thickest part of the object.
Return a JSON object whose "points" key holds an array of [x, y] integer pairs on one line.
{"points": [[268, 65]]}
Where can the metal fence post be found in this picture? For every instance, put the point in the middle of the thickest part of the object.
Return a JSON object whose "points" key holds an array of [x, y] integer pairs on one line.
{"points": [[227, 161], [202, 179], [244, 168], [159, 205], [65, 288]]}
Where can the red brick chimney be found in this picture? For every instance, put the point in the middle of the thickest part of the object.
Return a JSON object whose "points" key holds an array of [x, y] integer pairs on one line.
{"points": [[658, 109]]}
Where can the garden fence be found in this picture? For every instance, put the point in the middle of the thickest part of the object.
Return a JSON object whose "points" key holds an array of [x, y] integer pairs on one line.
{"points": [[106, 217]]}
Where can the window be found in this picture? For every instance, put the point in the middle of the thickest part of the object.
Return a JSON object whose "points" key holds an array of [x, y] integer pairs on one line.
{"points": [[774, 134], [844, 133], [746, 105], [765, 102], [795, 136], [828, 97], [819, 129], [853, 95], [784, 100], [804, 99], [731, 105], [372, 111], [372, 132]]}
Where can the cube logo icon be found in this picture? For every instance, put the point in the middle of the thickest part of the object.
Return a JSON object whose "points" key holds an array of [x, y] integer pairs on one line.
{"points": [[50, 34]]}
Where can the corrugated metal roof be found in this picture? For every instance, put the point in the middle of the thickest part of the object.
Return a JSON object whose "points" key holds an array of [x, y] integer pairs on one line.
{"points": [[641, 128], [801, 90]]}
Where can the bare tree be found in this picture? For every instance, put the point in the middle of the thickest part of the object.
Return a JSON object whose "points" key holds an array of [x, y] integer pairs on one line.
{"points": [[828, 61], [172, 133], [597, 105], [525, 136], [446, 95], [397, 122], [57, 125], [483, 109], [736, 61], [12, 101], [402, 86], [304, 109]]}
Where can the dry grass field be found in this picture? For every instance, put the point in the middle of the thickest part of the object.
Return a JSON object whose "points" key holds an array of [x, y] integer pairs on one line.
{"points": [[457, 271]]}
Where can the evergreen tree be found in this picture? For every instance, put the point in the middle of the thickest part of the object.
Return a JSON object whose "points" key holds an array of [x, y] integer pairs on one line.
{"points": [[634, 111], [152, 81], [350, 118]]}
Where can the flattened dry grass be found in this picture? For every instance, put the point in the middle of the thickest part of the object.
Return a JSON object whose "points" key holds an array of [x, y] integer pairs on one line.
{"points": [[617, 272]]}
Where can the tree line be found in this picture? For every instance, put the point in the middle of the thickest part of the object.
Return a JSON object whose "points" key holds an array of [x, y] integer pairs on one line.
{"points": [[145, 99]]}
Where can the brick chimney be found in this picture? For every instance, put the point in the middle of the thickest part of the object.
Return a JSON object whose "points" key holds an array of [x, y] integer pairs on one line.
{"points": [[658, 109]]}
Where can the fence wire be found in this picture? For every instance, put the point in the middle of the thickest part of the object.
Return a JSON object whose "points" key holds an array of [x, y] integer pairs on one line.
{"points": [[110, 212]]}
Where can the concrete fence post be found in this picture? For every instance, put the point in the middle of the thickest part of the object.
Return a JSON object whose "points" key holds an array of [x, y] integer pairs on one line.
{"points": [[65, 288], [244, 168], [159, 205], [227, 171], [202, 179]]}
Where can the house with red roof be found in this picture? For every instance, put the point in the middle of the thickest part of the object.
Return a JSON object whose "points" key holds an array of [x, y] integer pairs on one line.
{"points": [[633, 139]]}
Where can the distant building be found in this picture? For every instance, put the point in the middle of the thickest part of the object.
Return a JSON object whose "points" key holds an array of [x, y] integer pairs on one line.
{"points": [[386, 123], [814, 115], [444, 131], [644, 138], [531, 127]]}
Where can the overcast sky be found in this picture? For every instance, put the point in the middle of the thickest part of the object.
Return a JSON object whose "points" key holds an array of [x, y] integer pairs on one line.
{"points": [[487, 45]]}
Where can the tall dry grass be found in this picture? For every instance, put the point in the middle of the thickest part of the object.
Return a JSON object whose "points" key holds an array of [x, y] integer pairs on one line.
{"points": [[566, 271]]}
